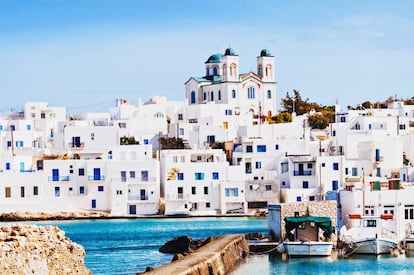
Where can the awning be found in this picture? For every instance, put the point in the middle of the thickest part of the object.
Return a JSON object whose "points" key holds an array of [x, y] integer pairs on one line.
{"points": [[324, 223]]}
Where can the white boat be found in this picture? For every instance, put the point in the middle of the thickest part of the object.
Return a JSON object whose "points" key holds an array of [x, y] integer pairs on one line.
{"points": [[408, 242], [303, 236], [368, 236]]}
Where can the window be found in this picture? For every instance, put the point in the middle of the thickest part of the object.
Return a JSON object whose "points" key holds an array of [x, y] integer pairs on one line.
{"points": [[92, 136], [346, 171], [193, 97], [323, 164], [211, 139], [211, 96], [215, 70], [204, 96], [305, 184], [180, 116], [250, 92], [335, 166], [70, 189], [35, 190], [81, 172], [181, 131], [175, 159], [215, 176], [233, 93], [268, 187], [310, 165], [193, 190], [298, 198], [354, 171], [334, 185], [180, 176], [7, 192], [261, 148], [311, 198], [258, 165], [277, 147], [269, 94], [100, 188], [205, 190], [207, 205], [409, 212], [182, 158], [28, 127], [370, 223], [132, 174], [9, 143], [402, 126], [119, 192], [57, 191], [228, 112], [145, 141], [231, 192], [285, 167], [81, 189], [199, 176], [93, 204], [22, 191], [144, 175], [249, 148], [7, 165], [333, 133], [219, 95]]}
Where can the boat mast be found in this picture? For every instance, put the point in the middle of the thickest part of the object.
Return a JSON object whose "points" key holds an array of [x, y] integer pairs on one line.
{"points": [[363, 192]]}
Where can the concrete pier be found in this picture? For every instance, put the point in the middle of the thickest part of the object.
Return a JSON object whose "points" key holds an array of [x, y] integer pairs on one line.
{"points": [[218, 257]]}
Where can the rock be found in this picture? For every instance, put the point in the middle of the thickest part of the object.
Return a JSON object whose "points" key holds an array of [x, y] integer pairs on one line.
{"points": [[30, 249], [177, 245], [177, 257]]}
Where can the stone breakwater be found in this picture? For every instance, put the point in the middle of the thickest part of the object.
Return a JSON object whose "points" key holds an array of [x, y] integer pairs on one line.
{"points": [[31, 249], [39, 216], [219, 256]]}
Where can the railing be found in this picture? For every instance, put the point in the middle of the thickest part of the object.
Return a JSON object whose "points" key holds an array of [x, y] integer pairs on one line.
{"points": [[302, 173], [134, 180], [138, 198], [95, 178], [74, 145], [61, 178], [173, 197]]}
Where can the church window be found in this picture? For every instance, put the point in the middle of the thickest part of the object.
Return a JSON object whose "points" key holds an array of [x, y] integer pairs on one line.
{"points": [[260, 70], [269, 94], [233, 93], [204, 96], [219, 95], [250, 92], [215, 71], [193, 97], [212, 96]]}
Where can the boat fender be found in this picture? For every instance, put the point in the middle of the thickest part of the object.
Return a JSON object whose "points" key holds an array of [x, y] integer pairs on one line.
{"points": [[351, 245]]}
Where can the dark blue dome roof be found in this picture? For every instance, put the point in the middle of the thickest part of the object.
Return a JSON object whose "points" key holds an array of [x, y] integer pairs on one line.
{"points": [[229, 51], [215, 58], [265, 52]]}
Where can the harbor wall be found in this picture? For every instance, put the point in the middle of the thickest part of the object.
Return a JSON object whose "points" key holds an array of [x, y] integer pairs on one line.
{"points": [[220, 256], [31, 249]]}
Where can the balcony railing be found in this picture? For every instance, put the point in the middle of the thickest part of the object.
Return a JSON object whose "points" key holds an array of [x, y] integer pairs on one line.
{"points": [[134, 180], [61, 178], [138, 198], [179, 197], [96, 178], [302, 173]]}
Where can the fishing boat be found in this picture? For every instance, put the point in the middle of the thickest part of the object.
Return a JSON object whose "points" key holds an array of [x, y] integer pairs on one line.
{"points": [[304, 238], [367, 235]]}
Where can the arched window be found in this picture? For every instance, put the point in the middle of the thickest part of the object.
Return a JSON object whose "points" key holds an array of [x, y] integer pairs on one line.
{"points": [[219, 95], [260, 70], [193, 97], [268, 70], [207, 71], [269, 94], [215, 70], [204, 96], [212, 96], [233, 93], [250, 92], [233, 69]]}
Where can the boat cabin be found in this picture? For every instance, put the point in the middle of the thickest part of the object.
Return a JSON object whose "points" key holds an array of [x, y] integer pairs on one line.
{"points": [[308, 228]]}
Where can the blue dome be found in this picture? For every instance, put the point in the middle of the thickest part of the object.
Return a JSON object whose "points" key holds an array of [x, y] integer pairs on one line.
{"points": [[265, 52], [215, 58], [229, 51]]}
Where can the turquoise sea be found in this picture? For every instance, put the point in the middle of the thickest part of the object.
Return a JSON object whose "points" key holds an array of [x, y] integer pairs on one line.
{"points": [[128, 246]]}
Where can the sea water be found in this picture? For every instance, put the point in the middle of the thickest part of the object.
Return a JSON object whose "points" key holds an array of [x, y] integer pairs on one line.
{"points": [[128, 246]]}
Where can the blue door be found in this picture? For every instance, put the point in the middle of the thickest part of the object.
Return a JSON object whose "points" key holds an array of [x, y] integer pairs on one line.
{"points": [[55, 174], [21, 166], [93, 204], [96, 173]]}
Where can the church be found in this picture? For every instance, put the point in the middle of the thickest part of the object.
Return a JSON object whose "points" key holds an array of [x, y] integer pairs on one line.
{"points": [[248, 93]]}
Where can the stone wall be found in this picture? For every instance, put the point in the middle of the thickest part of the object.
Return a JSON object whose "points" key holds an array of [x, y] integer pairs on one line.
{"points": [[220, 256], [31, 249], [316, 208]]}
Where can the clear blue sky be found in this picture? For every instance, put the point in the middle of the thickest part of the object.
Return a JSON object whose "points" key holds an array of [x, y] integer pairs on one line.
{"points": [[90, 52]]}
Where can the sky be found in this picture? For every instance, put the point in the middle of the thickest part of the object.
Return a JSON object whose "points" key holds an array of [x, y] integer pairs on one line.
{"points": [[85, 54]]}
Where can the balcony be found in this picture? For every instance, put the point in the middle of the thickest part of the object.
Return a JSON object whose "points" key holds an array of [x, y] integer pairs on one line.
{"points": [[61, 178], [302, 173], [76, 145], [178, 197], [96, 178], [138, 198]]}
